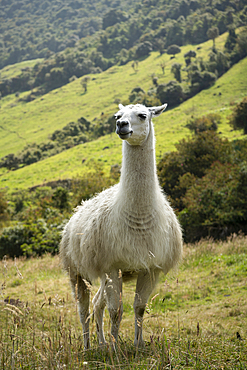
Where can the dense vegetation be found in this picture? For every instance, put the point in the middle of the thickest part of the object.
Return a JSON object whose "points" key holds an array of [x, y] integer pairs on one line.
{"points": [[206, 180], [78, 38]]}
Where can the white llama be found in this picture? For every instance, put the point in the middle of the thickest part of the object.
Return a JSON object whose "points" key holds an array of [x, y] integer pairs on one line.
{"points": [[127, 230]]}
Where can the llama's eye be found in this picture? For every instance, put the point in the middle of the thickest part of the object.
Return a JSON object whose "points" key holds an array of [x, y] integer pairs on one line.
{"points": [[142, 116], [117, 116]]}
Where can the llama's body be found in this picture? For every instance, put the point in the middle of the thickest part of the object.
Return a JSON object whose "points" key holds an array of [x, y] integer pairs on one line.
{"points": [[129, 227]]}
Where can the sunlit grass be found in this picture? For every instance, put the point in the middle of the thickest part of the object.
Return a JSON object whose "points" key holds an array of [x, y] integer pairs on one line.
{"points": [[196, 317]]}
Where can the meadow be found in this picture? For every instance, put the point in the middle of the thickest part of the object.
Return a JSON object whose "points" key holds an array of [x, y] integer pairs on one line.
{"points": [[195, 319], [23, 123]]}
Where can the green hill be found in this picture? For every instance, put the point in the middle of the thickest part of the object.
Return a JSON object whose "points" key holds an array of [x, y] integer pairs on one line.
{"points": [[23, 123], [68, 103]]}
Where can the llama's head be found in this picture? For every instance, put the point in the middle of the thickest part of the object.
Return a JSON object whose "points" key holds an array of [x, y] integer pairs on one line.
{"points": [[133, 122]]}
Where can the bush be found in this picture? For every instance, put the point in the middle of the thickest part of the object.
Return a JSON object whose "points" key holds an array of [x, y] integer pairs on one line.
{"points": [[173, 50], [170, 93], [205, 123], [176, 70], [216, 205], [193, 156], [143, 49], [206, 181], [3, 208], [201, 80], [30, 239], [238, 118]]}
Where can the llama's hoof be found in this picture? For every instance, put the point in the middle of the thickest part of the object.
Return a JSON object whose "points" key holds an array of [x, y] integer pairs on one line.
{"points": [[139, 344]]}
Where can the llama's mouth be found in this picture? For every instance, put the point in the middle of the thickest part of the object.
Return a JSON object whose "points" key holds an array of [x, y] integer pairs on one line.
{"points": [[125, 135]]}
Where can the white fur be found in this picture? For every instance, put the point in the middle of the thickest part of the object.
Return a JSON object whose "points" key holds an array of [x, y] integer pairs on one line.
{"points": [[127, 228]]}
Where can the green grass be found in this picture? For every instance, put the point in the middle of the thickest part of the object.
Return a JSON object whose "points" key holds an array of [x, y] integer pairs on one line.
{"points": [[14, 70], [23, 123], [191, 320]]}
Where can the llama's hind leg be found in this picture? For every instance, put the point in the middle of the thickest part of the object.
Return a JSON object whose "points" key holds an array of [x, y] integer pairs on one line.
{"points": [[145, 283], [113, 289], [82, 292], [99, 306]]}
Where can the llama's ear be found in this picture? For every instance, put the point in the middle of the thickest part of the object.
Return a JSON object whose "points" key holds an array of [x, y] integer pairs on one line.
{"points": [[156, 111], [120, 106]]}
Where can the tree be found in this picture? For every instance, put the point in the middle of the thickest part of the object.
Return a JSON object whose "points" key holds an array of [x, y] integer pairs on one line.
{"points": [[163, 66], [238, 118], [134, 65], [3, 208], [176, 70], [84, 82], [212, 203], [190, 54], [143, 49], [171, 93], [192, 158], [231, 40], [114, 16], [212, 34], [154, 79], [173, 50]]}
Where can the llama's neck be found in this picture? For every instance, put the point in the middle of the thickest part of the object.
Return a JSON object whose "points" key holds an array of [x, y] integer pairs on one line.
{"points": [[139, 180]]}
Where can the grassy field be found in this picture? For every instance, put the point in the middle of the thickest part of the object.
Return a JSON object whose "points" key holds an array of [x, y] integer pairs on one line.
{"points": [[195, 319], [23, 123], [14, 70]]}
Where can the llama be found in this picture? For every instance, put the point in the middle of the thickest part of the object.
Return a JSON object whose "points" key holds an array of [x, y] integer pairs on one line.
{"points": [[128, 230]]}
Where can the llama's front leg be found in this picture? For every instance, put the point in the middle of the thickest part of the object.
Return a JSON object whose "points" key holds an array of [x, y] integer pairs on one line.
{"points": [[145, 283], [113, 289], [82, 293], [99, 306]]}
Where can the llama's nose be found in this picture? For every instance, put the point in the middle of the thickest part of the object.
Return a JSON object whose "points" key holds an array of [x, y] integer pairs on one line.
{"points": [[122, 123], [122, 126]]}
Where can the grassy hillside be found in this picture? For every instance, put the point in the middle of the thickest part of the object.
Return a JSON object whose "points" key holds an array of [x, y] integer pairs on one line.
{"points": [[196, 318], [170, 128], [23, 123]]}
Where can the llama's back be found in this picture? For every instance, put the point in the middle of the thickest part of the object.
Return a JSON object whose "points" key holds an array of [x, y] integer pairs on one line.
{"points": [[103, 234]]}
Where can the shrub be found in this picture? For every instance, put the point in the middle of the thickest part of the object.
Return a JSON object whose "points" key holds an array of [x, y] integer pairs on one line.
{"points": [[216, 204], [212, 34], [143, 49], [173, 50], [30, 239], [205, 123], [202, 80], [238, 118], [60, 198], [3, 208], [193, 156], [176, 70], [170, 93], [190, 54]]}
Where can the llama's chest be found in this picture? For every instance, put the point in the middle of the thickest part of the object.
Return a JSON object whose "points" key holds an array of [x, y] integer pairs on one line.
{"points": [[136, 222]]}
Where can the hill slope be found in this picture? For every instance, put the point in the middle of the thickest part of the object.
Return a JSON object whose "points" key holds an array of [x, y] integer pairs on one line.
{"points": [[27, 122], [170, 127]]}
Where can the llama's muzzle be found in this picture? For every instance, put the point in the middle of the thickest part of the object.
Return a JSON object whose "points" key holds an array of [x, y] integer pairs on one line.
{"points": [[123, 129]]}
